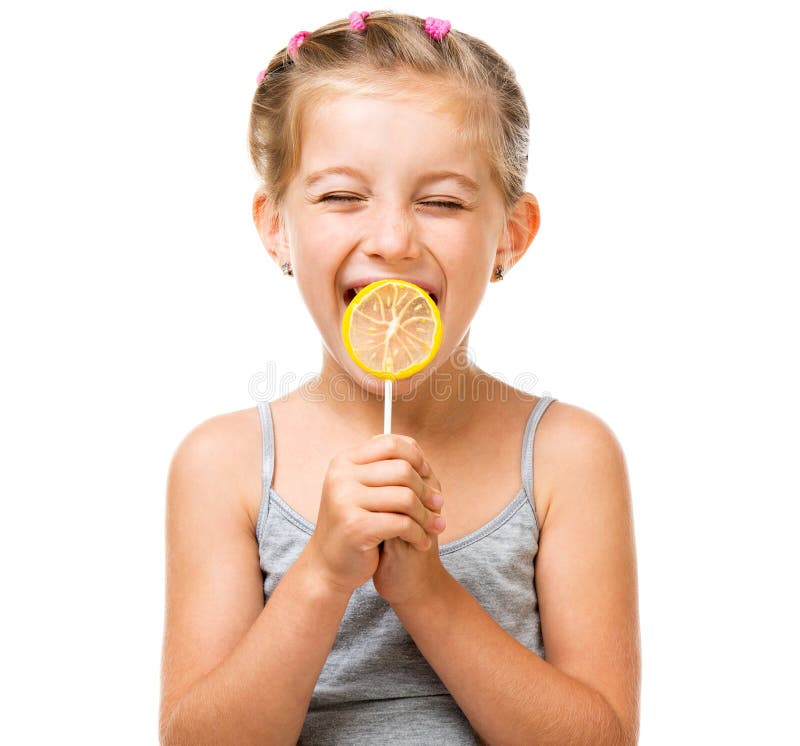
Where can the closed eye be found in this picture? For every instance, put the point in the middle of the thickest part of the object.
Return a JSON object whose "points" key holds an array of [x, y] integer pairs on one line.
{"points": [[339, 198], [443, 203]]}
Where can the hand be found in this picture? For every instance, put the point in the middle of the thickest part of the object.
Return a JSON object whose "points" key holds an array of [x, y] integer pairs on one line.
{"points": [[410, 572], [371, 493]]}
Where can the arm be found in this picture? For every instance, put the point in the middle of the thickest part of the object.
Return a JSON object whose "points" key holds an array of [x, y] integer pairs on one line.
{"points": [[587, 689], [234, 671]]}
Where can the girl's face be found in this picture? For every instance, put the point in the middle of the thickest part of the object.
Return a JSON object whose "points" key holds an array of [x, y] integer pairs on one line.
{"points": [[385, 189]]}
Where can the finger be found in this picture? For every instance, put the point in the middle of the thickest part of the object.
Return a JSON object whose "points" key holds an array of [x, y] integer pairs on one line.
{"points": [[426, 470], [390, 446], [401, 500], [404, 447], [399, 472], [434, 483], [394, 525], [424, 547]]}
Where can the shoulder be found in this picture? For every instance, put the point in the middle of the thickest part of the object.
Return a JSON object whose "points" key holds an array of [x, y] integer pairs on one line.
{"points": [[219, 442], [575, 452], [574, 429], [220, 458]]}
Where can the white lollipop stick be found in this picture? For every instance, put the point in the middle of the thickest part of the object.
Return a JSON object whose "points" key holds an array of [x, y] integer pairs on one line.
{"points": [[387, 405]]}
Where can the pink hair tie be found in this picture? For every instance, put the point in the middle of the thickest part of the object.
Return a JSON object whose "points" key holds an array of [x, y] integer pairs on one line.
{"points": [[295, 42], [437, 28], [261, 75], [357, 20]]}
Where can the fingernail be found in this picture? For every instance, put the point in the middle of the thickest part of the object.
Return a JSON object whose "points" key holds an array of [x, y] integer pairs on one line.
{"points": [[439, 523], [437, 500], [426, 469]]}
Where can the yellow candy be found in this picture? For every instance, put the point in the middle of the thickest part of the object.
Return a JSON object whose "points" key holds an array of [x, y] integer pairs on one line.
{"points": [[392, 328]]}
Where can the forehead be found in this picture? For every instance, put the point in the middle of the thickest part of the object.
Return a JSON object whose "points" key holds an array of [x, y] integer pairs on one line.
{"points": [[402, 131]]}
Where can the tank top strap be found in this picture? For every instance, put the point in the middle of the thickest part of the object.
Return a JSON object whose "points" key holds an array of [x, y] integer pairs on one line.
{"points": [[527, 445], [267, 461]]}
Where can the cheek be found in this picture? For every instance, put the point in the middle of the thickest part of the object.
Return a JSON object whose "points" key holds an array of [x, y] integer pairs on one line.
{"points": [[320, 243], [467, 245]]}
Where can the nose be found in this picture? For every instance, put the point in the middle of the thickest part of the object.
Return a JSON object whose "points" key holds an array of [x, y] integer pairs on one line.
{"points": [[392, 234]]}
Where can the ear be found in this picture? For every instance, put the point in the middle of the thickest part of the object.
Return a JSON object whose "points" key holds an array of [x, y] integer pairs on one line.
{"points": [[520, 230], [268, 223]]}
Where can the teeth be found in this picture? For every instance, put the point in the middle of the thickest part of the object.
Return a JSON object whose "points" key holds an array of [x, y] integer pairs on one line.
{"points": [[356, 290]]}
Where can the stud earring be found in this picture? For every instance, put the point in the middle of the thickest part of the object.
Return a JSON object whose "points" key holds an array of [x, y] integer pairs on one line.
{"points": [[287, 269], [498, 273]]}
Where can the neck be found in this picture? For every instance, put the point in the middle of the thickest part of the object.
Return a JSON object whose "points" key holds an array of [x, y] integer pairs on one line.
{"points": [[425, 406]]}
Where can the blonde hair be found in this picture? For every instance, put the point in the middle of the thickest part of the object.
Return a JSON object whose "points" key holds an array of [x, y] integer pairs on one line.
{"points": [[392, 56]]}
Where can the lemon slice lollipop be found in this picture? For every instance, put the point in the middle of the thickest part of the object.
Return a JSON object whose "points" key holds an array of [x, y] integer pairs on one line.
{"points": [[392, 329]]}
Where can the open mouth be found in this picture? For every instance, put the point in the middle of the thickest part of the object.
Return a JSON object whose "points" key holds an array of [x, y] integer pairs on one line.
{"points": [[352, 292]]}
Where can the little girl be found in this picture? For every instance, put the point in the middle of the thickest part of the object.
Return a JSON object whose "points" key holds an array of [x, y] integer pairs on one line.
{"points": [[444, 584]]}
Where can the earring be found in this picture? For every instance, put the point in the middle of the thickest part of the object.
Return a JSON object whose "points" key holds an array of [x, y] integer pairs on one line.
{"points": [[498, 273], [287, 269]]}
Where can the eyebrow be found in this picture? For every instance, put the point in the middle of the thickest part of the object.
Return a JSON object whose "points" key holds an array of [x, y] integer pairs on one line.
{"points": [[463, 181], [470, 185], [316, 176]]}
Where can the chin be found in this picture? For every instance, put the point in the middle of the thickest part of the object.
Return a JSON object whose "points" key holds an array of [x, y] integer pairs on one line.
{"points": [[403, 386]]}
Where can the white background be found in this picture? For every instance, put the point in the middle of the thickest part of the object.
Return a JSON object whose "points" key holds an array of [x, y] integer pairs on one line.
{"points": [[660, 294]]}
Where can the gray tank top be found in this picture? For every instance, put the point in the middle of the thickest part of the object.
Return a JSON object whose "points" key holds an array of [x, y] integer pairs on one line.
{"points": [[375, 686]]}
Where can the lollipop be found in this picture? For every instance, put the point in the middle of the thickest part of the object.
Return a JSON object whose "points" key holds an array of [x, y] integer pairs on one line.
{"points": [[392, 329]]}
